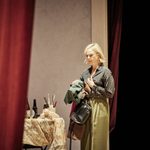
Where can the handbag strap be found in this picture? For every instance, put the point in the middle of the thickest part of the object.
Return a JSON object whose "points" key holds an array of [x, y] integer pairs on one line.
{"points": [[71, 129]]}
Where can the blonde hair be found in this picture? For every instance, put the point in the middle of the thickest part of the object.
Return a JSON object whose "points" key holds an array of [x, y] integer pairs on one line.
{"points": [[97, 49]]}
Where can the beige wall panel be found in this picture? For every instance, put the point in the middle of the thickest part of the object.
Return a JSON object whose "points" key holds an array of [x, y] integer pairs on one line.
{"points": [[62, 29], [99, 25]]}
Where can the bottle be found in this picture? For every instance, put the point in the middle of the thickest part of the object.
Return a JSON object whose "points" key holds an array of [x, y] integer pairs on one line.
{"points": [[27, 109], [35, 109], [27, 105]]}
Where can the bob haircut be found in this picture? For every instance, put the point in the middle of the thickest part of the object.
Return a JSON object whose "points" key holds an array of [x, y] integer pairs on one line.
{"points": [[97, 49]]}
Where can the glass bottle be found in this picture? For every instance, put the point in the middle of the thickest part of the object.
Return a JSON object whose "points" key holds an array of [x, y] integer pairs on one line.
{"points": [[27, 109], [35, 109]]}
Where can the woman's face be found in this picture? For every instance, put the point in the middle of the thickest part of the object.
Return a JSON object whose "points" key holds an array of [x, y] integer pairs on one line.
{"points": [[91, 57]]}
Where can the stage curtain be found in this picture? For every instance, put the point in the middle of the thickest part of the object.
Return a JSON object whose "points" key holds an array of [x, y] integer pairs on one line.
{"points": [[114, 40], [16, 24]]}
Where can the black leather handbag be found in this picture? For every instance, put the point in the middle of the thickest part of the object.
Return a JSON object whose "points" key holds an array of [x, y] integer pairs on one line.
{"points": [[81, 113], [78, 119]]}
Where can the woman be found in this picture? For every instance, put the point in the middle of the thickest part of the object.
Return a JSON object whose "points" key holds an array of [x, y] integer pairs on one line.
{"points": [[99, 84]]}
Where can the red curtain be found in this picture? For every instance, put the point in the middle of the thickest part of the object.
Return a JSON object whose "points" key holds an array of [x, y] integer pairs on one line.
{"points": [[16, 22], [115, 29]]}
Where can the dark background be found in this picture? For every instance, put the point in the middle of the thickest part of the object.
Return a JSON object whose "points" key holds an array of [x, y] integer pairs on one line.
{"points": [[127, 132]]}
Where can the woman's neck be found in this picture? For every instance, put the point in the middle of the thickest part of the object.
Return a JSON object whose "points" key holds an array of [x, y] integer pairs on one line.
{"points": [[94, 67]]}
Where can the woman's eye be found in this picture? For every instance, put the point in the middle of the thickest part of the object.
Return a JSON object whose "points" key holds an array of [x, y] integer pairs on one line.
{"points": [[89, 55]]}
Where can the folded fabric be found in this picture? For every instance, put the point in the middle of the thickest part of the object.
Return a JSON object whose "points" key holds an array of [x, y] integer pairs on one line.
{"points": [[73, 93]]}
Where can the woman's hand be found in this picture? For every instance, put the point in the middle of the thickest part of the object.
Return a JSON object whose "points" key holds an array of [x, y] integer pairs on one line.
{"points": [[87, 88], [82, 94], [90, 82]]}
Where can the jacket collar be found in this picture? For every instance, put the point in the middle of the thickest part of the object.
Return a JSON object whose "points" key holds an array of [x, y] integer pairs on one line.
{"points": [[99, 70]]}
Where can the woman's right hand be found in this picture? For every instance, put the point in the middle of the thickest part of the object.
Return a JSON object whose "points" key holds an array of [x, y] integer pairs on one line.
{"points": [[87, 88]]}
